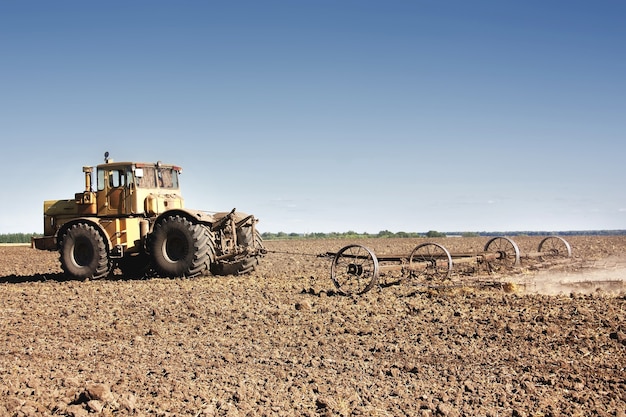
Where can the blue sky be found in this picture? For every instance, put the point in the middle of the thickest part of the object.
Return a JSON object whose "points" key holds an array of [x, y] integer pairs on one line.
{"points": [[322, 116]]}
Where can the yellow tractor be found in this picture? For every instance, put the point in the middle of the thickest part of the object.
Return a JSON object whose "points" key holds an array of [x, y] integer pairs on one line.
{"points": [[135, 220]]}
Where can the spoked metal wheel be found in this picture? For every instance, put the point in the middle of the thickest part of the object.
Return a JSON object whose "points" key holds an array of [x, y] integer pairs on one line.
{"points": [[354, 270], [554, 247], [430, 261], [507, 253]]}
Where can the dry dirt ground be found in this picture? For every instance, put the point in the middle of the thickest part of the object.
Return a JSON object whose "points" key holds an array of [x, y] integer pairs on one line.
{"points": [[283, 342]]}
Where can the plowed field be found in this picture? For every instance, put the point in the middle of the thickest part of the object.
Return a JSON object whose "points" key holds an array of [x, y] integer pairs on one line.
{"points": [[540, 340]]}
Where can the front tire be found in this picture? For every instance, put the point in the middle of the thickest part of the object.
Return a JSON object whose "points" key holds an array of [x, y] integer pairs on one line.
{"points": [[84, 253], [181, 248]]}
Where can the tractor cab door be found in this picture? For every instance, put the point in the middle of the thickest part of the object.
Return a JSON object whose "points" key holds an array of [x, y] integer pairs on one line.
{"points": [[115, 186]]}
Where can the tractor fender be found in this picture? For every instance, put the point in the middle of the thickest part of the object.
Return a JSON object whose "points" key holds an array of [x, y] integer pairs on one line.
{"points": [[210, 219], [200, 216], [238, 215], [93, 221], [196, 216]]}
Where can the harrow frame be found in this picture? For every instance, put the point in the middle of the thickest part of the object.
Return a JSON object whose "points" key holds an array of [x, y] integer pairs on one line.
{"points": [[356, 269]]}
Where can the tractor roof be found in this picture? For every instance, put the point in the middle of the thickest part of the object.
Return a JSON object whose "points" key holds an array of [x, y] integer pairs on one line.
{"points": [[112, 164]]}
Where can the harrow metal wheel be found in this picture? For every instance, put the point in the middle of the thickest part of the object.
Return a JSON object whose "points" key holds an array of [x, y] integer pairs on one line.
{"points": [[354, 270], [507, 251], [430, 261], [554, 247]]}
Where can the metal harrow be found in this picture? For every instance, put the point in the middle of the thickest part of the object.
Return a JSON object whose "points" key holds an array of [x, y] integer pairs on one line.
{"points": [[355, 268]]}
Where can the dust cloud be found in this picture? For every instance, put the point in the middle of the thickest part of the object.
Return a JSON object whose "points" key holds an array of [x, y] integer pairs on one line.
{"points": [[600, 277]]}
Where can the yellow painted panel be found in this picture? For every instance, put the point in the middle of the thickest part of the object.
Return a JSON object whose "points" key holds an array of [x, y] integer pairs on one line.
{"points": [[123, 232]]}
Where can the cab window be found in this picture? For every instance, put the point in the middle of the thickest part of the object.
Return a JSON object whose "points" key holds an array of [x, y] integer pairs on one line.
{"points": [[114, 178]]}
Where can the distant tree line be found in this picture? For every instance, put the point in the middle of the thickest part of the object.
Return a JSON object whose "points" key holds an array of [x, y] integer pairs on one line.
{"points": [[17, 237], [355, 235], [432, 234], [558, 233]]}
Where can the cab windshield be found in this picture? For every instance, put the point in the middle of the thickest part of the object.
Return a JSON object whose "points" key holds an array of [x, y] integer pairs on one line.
{"points": [[153, 177]]}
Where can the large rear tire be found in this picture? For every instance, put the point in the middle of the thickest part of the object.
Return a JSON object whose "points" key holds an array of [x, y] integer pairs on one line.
{"points": [[84, 253], [181, 248]]}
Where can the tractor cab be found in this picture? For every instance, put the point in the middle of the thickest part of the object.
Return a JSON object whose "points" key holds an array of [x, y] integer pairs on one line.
{"points": [[130, 188]]}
